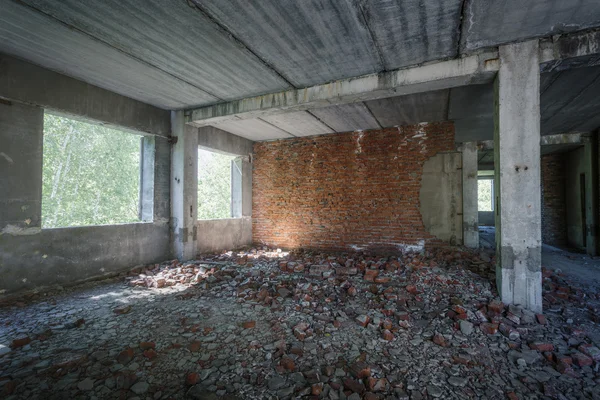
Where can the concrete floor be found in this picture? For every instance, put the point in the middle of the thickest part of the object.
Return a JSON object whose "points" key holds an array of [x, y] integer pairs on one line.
{"points": [[578, 267], [271, 325]]}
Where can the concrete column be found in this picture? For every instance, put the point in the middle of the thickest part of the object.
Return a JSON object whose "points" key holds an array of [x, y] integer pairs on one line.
{"points": [[21, 140], [517, 175], [591, 193], [469, 187], [236, 187], [184, 188], [247, 187], [147, 156]]}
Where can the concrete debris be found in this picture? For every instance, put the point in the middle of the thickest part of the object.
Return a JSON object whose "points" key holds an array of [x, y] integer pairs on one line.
{"points": [[266, 324]]}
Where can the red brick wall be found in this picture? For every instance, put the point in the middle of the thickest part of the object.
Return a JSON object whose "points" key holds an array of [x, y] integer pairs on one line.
{"points": [[554, 211], [344, 191]]}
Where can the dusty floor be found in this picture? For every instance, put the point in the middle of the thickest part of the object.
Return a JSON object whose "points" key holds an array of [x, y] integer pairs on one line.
{"points": [[265, 324]]}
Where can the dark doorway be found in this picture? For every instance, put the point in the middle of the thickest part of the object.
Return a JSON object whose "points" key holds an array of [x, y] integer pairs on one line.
{"points": [[583, 211]]}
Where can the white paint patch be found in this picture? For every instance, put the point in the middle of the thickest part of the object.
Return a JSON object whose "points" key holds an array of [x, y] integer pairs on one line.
{"points": [[422, 135], [358, 150], [356, 247], [17, 231], [10, 160], [411, 247]]}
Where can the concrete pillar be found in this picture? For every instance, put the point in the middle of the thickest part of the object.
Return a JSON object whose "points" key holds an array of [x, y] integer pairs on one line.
{"points": [[184, 188], [591, 193], [469, 187], [21, 140], [517, 175], [147, 161], [236, 187]]}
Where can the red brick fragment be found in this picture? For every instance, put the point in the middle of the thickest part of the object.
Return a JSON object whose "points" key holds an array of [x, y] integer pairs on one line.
{"points": [[20, 342], [192, 379], [354, 386], [541, 319], [248, 324], [125, 356], [370, 274], [496, 306], [440, 340], [360, 370], [288, 363], [489, 329], [540, 346], [582, 360], [387, 335], [147, 345], [150, 354]]}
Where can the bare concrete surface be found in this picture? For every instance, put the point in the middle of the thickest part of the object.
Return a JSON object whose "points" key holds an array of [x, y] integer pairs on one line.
{"points": [[580, 268]]}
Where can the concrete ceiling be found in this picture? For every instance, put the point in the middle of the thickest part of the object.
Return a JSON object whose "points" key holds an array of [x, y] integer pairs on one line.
{"points": [[186, 53]]}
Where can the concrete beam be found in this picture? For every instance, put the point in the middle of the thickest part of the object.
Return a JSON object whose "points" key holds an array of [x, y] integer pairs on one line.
{"points": [[517, 176], [475, 69], [581, 49], [27, 83], [219, 141], [548, 140]]}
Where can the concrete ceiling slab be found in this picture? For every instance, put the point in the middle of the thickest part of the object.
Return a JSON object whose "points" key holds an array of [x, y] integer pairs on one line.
{"points": [[410, 32], [35, 37], [570, 100], [308, 41], [172, 36], [299, 123], [347, 117], [472, 110], [411, 109], [253, 129], [491, 22], [474, 129]]}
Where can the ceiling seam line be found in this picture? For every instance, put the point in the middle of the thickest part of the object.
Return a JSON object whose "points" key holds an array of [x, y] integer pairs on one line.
{"points": [[320, 120], [372, 115], [460, 27], [448, 105], [275, 126], [117, 49], [372, 36], [240, 42]]}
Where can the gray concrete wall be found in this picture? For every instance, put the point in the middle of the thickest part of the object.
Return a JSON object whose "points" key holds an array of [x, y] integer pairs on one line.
{"points": [[575, 166], [216, 235], [31, 257], [226, 234], [486, 218], [469, 198], [441, 197]]}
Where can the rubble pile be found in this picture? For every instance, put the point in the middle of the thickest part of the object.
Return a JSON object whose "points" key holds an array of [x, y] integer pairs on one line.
{"points": [[266, 324]]}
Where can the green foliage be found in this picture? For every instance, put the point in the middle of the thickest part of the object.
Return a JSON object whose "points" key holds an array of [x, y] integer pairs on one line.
{"points": [[91, 174], [484, 194], [214, 185]]}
